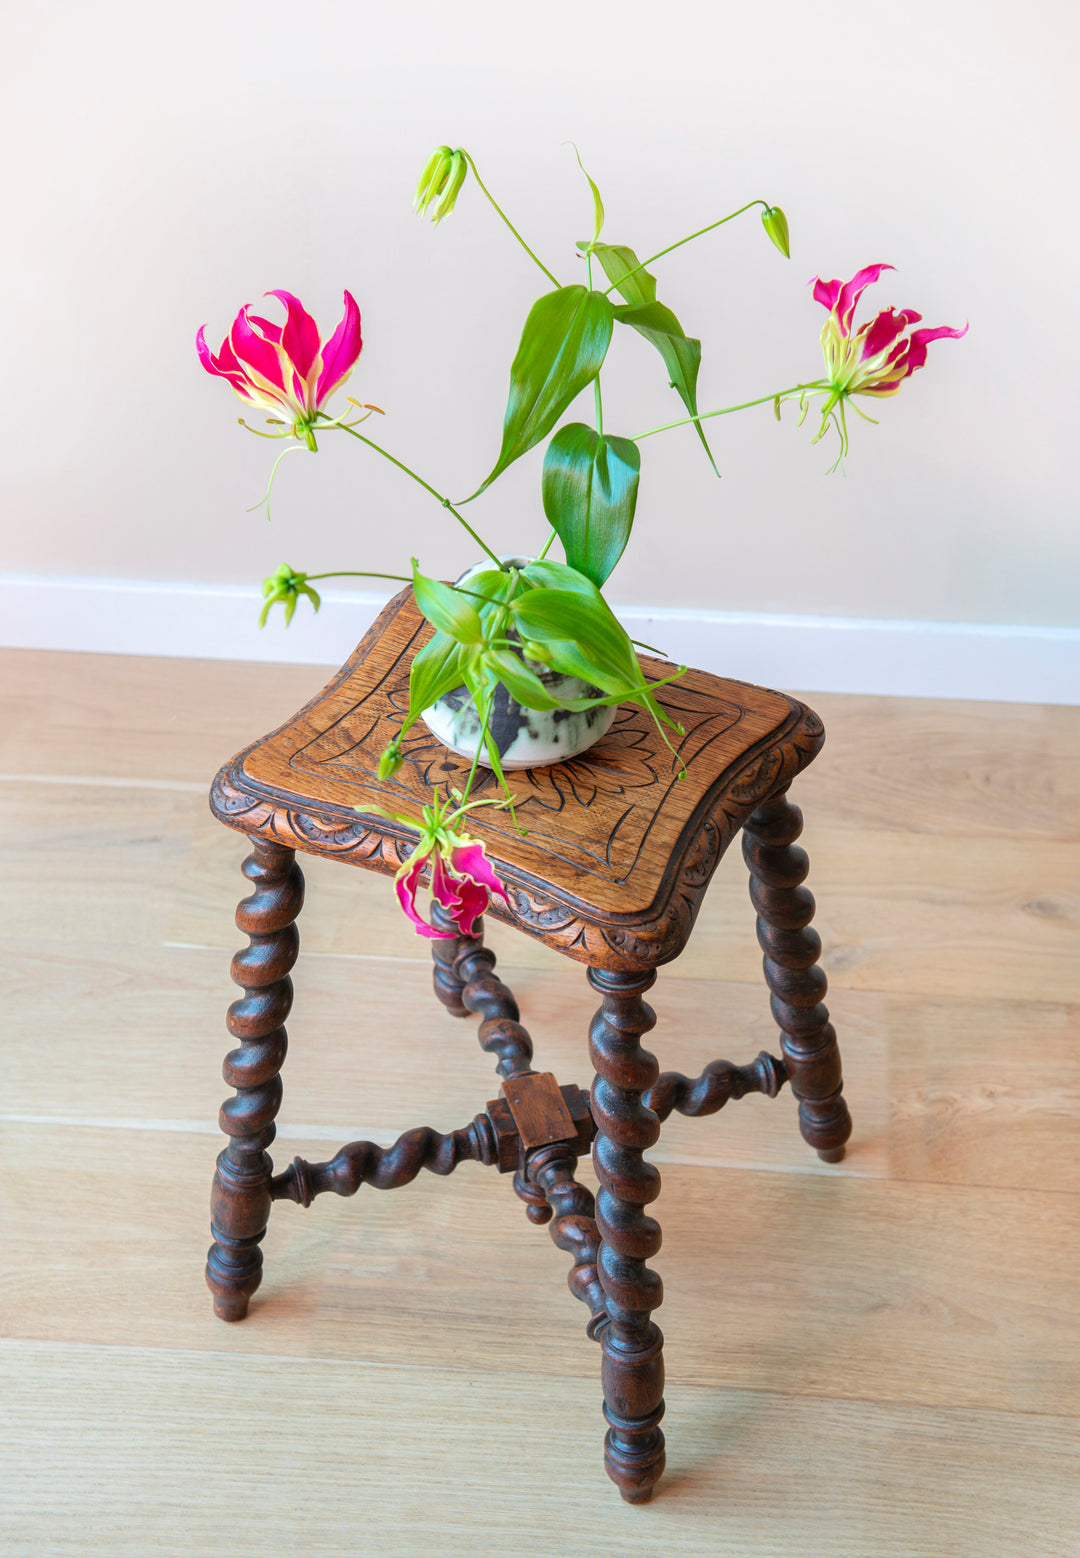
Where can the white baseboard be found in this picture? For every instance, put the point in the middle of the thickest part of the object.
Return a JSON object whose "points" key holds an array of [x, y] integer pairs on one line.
{"points": [[1020, 663]]}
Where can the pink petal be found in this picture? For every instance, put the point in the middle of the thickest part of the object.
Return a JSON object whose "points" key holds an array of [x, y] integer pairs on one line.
{"points": [[256, 353], [852, 291], [470, 860], [472, 901], [461, 899], [883, 330], [341, 351], [224, 365], [826, 292], [271, 331], [300, 336], [920, 340], [405, 886]]}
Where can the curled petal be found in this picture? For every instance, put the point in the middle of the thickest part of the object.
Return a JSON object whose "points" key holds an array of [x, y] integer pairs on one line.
{"points": [[405, 885], [842, 297], [299, 337], [341, 351], [470, 859], [885, 329], [256, 353], [224, 364], [920, 340], [826, 292]]}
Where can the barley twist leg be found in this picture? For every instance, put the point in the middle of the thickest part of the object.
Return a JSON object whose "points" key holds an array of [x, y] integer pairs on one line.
{"points": [[633, 1366], [792, 947], [240, 1199]]}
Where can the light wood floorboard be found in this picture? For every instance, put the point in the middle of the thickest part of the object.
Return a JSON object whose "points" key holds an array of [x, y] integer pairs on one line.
{"points": [[874, 1359]]}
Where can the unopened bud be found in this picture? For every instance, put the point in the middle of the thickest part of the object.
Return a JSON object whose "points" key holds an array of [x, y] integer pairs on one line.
{"points": [[534, 651], [443, 175], [390, 761], [775, 224]]}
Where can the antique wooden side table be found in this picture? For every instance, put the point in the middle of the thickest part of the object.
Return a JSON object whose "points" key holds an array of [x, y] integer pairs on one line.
{"points": [[618, 856]]}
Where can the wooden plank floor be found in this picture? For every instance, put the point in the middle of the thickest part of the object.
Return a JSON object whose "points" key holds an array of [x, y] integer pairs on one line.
{"points": [[871, 1360]]}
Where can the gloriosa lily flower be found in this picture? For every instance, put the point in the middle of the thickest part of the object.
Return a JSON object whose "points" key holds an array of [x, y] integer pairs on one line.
{"points": [[286, 585], [442, 178], [878, 357], [462, 878], [287, 370]]}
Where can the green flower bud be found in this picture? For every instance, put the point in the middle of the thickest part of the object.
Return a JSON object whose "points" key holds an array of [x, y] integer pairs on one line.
{"points": [[286, 586], [390, 761], [443, 175], [775, 224], [535, 651]]}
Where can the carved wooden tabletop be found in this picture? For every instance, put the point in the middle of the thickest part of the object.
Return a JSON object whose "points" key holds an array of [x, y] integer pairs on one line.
{"points": [[619, 850]]}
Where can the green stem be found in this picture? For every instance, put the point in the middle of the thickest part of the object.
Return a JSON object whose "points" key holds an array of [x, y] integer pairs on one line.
{"points": [[480, 746], [426, 486], [476, 175], [700, 233], [547, 547], [599, 404], [726, 410]]}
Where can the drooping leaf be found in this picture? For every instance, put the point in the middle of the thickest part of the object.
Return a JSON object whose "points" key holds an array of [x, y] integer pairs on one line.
{"points": [[563, 614], [589, 488], [562, 348], [681, 353], [636, 694], [598, 204], [623, 269], [446, 609], [435, 670], [520, 681]]}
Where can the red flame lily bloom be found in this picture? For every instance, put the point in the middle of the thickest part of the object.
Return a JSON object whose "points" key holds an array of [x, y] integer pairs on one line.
{"points": [[878, 357], [287, 370], [462, 877]]}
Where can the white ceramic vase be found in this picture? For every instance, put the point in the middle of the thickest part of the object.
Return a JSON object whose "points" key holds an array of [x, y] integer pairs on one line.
{"points": [[524, 738]]}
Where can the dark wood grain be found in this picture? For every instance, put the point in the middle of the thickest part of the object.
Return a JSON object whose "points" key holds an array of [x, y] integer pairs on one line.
{"points": [[778, 869], [620, 849], [618, 854], [633, 1367], [240, 1199]]}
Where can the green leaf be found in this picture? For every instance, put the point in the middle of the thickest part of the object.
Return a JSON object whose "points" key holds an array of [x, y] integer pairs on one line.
{"points": [[636, 694], [618, 262], [549, 575], [589, 489], [446, 609], [562, 348], [598, 204], [567, 657], [435, 670], [564, 614], [520, 682], [681, 353]]}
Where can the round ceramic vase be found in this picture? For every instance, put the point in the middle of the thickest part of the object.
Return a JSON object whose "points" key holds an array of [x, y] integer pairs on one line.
{"points": [[524, 738]]}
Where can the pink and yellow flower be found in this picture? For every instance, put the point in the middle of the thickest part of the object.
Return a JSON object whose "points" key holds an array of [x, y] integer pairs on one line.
{"points": [[462, 877], [462, 880], [287, 370], [879, 356]]}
